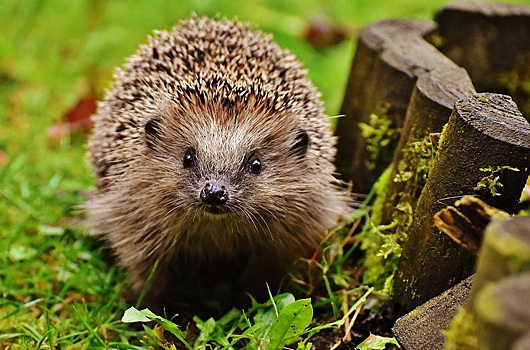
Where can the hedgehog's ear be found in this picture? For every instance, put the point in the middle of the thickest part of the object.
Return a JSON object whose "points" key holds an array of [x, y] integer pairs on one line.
{"points": [[153, 131], [301, 143]]}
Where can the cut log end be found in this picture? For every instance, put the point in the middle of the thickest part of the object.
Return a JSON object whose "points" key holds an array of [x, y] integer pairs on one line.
{"points": [[496, 116]]}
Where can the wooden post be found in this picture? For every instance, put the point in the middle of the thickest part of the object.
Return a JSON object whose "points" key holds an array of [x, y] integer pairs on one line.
{"points": [[522, 343], [391, 54], [492, 42], [502, 312], [505, 251], [423, 327], [431, 105], [485, 131], [499, 297]]}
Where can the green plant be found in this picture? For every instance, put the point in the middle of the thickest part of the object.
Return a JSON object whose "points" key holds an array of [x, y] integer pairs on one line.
{"points": [[382, 241], [379, 133], [492, 182], [418, 158], [281, 321]]}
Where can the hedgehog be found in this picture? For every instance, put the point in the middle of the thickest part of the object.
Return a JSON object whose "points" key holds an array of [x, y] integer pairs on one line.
{"points": [[213, 160]]}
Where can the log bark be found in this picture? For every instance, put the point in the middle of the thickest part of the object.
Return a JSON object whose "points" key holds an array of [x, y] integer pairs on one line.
{"points": [[484, 130], [423, 327], [522, 343], [390, 55]]}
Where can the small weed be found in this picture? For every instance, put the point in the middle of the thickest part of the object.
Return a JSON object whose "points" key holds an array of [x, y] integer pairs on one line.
{"points": [[272, 325], [418, 158], [280, 322], [491, 182], [382, 241], [379, 133]]}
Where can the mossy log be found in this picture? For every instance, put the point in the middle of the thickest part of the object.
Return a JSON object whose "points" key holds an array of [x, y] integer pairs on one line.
{"points": [[505, 251], [390, 56], [522, 343], [500, 295], [423, 327], [502, 312], [485, 131], [492, 42], [430, 106], [497, 315]]}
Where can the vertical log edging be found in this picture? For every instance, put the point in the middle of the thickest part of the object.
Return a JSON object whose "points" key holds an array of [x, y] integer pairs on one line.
{"points": [[430, 106], [492, 42], [483, 130], [390, 56], [497, 314]]}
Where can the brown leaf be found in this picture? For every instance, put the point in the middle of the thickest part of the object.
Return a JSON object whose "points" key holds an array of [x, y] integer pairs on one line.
{"points": [[321, 33], [466, 221], [4, 158], [76, 120]]}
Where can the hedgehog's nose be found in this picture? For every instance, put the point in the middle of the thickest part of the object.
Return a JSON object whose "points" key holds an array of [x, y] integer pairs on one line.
{"points": [[214, 194]]}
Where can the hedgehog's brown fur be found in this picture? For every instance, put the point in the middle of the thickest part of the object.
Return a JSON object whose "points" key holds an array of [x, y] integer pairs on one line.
{"points": [[229, 94]]}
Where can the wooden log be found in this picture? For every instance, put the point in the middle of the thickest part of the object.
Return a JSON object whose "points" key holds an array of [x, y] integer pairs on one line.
{"points": [[505, 251], [423, 327], [391, 54], [485, 130], [503, 312], [498, 311], [522, 343], [430, 106], [492, 42]]}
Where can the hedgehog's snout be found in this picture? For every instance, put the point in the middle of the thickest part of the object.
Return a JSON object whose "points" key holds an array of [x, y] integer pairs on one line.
{"points": [[214, 193]]}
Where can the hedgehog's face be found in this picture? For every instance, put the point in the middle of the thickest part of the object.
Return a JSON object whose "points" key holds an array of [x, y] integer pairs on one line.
{"points": [[247, 167]]}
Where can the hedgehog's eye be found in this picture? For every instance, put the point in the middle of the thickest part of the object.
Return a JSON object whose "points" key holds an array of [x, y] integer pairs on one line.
{"points": [[255, 165], [189, 158]]}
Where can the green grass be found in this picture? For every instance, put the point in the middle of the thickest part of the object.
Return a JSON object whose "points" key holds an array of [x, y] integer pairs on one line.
{"points": [[56, 291]]}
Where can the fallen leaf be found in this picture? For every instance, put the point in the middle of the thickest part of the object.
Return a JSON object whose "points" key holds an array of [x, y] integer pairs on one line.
{"points": [[321, 33], [76, 120], [466, 221], [4, 158]]}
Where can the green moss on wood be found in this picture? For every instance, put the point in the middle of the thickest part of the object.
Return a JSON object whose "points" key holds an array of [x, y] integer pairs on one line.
{"points": [[462, 332], [382, 242], [491, 182], [417, 161], [380, 133]]}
